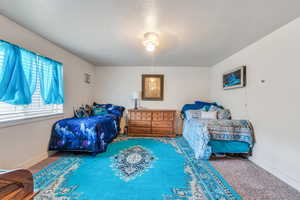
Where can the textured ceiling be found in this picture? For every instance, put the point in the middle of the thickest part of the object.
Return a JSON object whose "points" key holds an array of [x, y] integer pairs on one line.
{"points": [[192, 32]]}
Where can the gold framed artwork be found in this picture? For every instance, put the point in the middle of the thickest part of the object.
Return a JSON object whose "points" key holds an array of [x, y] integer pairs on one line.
{"points": [[152, 87]]}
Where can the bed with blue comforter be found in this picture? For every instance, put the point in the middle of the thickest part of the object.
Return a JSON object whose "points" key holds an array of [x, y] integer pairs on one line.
{"points": [[88, 134], [216, 136]]}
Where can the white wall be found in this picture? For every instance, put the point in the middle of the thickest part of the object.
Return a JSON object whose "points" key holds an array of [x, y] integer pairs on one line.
{"points": [[182, 85], [25, 144], [273, 106]]}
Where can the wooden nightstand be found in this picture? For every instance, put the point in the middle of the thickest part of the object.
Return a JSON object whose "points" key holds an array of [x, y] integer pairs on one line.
{"points": [[122, 125], [152, 123]]}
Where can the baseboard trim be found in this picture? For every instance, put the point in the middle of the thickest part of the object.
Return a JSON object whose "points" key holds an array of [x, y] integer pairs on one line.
{"points": [[27, 164], [278, 173]]}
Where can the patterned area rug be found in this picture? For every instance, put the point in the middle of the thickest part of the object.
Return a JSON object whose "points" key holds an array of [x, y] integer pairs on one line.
{"points": [[134, 169]]}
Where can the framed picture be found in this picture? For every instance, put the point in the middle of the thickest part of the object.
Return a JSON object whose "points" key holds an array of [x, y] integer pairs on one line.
{"points": [[235, 78], [152, 87]]}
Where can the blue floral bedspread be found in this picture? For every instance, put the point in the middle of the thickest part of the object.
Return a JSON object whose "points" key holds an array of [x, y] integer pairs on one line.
{"points": [[198, 133], [90, 134]]}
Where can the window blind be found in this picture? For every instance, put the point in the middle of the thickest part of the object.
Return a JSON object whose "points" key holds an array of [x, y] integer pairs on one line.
{"points": [[10, 112], [37, 108]]}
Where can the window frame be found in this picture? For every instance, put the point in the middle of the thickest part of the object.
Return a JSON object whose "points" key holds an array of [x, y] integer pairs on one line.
{"points": [[32, 119], [27, 113]]}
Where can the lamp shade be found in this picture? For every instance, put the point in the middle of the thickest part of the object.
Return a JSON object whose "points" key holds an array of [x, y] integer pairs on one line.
{"points": [[135, 95]]}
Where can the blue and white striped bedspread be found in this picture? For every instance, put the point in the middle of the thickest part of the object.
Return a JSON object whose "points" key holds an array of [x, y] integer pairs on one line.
{"points": [[198, 133]]}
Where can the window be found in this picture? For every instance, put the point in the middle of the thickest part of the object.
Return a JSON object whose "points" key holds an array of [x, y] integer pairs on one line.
{"points": [[10, 112]]}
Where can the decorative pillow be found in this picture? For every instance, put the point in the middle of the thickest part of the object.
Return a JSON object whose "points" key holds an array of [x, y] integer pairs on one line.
{"points": [[221, 113], [193, 114], [224, 114], [200, 114], [188, 107], [116, 110], [214, 108], [206, 108], [209, 115], [99, 111], [83, 111]]}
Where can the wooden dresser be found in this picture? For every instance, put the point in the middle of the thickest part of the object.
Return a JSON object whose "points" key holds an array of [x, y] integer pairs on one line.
{"points": [[152, 123]]}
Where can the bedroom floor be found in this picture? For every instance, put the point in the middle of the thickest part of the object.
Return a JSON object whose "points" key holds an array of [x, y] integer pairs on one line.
{"points": [[249, 180], [252, 182]]}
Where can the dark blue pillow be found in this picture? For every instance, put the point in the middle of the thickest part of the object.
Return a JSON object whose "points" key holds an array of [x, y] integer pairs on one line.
{"points": [[106, 106], [117, 110], [203, 103]]}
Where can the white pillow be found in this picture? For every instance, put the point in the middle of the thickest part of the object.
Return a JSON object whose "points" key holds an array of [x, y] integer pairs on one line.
{"points": [[209, 115], [193, 114]]}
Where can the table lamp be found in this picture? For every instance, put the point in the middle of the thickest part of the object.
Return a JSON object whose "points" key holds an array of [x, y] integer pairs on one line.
{"points": [[135, 97]]}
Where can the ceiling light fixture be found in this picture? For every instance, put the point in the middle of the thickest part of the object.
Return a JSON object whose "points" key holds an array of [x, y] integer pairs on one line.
{"points": [[151, 41]]}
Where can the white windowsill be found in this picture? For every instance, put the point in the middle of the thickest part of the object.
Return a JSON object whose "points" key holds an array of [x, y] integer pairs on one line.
{"points": [[30, 120]]}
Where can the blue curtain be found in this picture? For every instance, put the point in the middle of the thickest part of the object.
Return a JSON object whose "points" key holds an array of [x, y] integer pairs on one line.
{"points": [[19, 72], [15, 84], [51, 81], [29, 63]]}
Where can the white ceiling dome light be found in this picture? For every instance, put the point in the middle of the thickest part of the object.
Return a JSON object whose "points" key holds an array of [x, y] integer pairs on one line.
{"points": [[151, 41]]}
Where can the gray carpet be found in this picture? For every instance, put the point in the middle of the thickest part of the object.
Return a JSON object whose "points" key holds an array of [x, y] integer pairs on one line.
{"points": [[253, 182]]}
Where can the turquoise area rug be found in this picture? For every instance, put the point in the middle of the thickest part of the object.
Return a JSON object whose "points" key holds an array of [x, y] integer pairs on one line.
{"points": [[134, 169]]}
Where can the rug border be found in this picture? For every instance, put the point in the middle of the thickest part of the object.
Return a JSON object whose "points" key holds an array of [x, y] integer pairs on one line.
{"points": [[51, 165], [211, 167], [235, 193]]}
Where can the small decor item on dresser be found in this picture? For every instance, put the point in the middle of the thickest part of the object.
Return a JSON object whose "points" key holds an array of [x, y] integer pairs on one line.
{"points": [[152, 87], [235, 78], [135, 97]]}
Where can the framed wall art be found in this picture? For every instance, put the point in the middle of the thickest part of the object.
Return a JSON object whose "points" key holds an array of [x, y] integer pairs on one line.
{"points": [[235, 78], [152, 87]]}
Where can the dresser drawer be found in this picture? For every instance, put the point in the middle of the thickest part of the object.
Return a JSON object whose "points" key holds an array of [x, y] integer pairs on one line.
{"points": [[140, 115], [163, 131], [157, 116], [162, 124], [138, 130], [139, 123], [151, 123], [169, 116]]}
